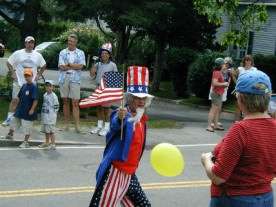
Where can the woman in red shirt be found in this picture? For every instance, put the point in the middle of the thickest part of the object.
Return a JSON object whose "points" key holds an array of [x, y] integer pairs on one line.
{"points": [[243, 164], [218, 84]]}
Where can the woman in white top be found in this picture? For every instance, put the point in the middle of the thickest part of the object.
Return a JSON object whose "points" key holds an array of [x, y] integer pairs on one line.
{"points": [[247, 65]]}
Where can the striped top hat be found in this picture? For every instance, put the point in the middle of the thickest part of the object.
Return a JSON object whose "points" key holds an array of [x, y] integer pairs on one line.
{"points": [[138, 81]]}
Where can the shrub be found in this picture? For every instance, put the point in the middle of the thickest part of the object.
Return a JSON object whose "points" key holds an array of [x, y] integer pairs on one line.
{"points": [[48, 31], [179, 60], [267, 64], [51, 55], [200, 74]]}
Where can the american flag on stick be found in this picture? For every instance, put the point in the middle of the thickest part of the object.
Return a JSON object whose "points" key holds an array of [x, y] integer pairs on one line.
{"points": [[110, 90]]}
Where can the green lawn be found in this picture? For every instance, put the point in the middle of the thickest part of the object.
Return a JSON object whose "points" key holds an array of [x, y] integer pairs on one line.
{"points": [[4, 107], [165, 91]]}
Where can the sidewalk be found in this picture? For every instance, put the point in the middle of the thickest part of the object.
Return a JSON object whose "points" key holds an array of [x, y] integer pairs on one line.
{"points": [[192, 119]]}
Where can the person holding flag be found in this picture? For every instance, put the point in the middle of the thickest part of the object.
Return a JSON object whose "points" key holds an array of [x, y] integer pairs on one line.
{"points": [[117, 182], [98, 70]]}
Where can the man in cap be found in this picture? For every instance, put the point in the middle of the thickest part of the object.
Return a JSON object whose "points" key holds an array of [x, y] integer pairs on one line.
{"points": [[98, 70], [243, 165], [17, 62], [116, 179], [71, 61]]}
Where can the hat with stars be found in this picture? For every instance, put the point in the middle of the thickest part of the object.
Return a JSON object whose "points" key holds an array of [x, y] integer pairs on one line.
{"points": [[138, 81]]}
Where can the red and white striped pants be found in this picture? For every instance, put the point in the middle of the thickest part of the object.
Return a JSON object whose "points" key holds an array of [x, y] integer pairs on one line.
{"points": [[119, 188]]}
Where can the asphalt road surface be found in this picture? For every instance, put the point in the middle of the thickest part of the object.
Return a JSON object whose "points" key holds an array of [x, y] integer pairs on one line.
{"points": [[66, 178]]}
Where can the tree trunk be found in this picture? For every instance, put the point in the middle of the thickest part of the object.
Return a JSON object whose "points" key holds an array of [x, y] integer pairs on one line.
{"points": [[123, 40], [158, 66], [29, 25]]}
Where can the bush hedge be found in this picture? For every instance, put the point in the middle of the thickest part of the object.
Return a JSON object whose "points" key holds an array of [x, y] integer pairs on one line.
{"points": [[179, 60], [200, 74], [267, 64]]}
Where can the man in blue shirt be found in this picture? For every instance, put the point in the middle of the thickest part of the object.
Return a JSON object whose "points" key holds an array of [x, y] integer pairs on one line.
{"points": [[25, 112]]}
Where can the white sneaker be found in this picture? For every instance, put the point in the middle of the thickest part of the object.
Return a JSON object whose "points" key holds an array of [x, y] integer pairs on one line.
{"points": [[96, 130], [52, 146], [103, 132], [44, 145], [24, 144], [7, 121]]}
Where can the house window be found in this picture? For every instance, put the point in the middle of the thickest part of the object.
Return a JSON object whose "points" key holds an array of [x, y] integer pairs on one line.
{"points": [[250, 43]]}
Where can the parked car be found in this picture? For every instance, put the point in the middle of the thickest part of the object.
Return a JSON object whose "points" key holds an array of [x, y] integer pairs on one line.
{"points": [[42, 46]]}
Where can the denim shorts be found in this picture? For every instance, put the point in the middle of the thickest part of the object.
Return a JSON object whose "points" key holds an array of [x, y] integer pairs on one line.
{"points": [[261, 200]]}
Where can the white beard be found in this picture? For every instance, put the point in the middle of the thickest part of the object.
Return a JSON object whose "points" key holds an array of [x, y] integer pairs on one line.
{"points": [[138, 116]]}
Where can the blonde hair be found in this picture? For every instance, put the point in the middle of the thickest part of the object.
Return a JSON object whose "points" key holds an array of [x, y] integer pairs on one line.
{"points": [[254, 103]]}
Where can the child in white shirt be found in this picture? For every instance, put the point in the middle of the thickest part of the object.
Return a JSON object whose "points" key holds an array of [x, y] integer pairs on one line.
{"points": [[49, 111]]}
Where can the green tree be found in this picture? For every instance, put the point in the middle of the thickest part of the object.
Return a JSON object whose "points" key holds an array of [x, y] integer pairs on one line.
{"points": [[162, 21], [243, 18], [22, 14], [165, 23]]}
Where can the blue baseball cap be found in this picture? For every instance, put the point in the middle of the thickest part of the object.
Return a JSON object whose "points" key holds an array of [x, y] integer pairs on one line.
{"points": [[253, 82]]}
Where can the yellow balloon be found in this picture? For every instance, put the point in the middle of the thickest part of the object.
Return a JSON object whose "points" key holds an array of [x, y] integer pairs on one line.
{"points": [[167, 160]]}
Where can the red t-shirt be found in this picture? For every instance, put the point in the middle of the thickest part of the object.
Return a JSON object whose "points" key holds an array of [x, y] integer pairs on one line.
{"points": [[217, 74], [131, 164], [246, 158]]}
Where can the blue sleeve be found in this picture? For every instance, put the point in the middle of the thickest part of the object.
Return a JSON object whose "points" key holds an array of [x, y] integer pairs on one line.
{"points": [[35, 93]]}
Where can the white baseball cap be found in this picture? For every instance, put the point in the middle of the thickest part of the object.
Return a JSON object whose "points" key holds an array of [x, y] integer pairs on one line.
{"points": [[29, 38]]}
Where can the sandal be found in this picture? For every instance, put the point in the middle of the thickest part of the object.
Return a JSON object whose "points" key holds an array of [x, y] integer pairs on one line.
{"points": [[219, 128], [210, 129]]}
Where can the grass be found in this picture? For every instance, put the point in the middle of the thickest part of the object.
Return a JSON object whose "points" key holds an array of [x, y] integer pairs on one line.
{"points": [[229, 106], [166, 90], [160, 124], [4, 106], [193, 100], [7, 53]]}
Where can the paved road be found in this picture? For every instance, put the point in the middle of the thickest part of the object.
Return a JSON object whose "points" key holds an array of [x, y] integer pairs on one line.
{"points": [[66, 177]]}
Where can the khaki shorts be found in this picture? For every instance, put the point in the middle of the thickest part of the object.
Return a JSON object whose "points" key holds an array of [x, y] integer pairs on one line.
{"points": [[25, 124], [48, 128], [216, 99], [15, 89], [69, 89]]}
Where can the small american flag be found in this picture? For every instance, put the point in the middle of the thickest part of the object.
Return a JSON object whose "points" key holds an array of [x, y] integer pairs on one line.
{"points": [[110, 90]]}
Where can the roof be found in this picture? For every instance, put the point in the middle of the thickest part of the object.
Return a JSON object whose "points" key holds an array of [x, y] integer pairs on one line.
{"points": [[266, 2]]}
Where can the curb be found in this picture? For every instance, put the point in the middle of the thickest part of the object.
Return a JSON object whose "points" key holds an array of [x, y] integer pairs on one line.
{"points": [[16, 143]]}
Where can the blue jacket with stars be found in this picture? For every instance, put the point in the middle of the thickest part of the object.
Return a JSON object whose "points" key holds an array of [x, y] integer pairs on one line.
{"points": [[116, 148]]}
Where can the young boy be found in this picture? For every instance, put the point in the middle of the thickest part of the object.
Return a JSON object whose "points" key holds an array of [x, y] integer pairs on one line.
{"points": [[25, 112], [49, 111]]}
